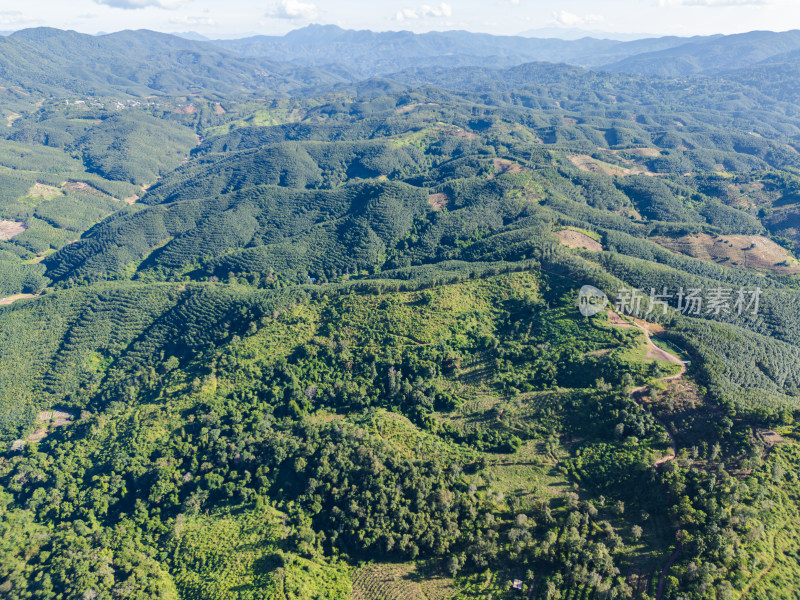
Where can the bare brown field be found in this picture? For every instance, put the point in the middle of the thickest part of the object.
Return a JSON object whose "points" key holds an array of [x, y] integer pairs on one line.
{"points": [[742, 251], [11, 299], [576, 239], [9, 229], [503, 165], [438, 201]]}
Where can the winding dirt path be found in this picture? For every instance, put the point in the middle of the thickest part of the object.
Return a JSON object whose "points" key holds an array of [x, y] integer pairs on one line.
{"points": [[662, 579], [654, 352]]}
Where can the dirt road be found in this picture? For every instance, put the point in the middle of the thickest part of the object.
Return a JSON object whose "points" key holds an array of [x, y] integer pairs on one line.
{"points": [[653, 351]]}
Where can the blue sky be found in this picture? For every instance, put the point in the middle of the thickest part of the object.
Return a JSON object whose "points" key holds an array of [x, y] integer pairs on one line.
{"points": [[212, 17]]}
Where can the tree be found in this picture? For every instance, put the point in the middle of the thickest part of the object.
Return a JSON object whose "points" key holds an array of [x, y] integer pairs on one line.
{"points": [[636, 532]]}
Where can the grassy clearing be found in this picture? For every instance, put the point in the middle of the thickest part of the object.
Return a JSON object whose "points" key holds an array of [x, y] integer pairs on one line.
{"points": [[238, 557], [641, 353], [387, 582], [407, 438], [260, 118]]}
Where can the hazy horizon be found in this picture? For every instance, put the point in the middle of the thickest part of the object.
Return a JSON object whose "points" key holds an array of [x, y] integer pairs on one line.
{"points": [[627, 19], [568, 34]]}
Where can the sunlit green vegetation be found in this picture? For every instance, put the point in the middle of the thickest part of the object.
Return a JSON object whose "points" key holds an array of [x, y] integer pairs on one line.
{"points": [[327, 345]]}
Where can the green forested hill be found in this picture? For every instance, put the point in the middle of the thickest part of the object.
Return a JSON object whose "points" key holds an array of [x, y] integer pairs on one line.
{"points": [[137, 63], [327, 344], [710, 55]]}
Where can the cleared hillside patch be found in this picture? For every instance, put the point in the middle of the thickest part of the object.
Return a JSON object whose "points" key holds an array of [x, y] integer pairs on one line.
{"points": [[386, 582], [438, 201], [40, 190], [576, 239], [11, 299], [742, 251], [587, 163], [9, 229]]}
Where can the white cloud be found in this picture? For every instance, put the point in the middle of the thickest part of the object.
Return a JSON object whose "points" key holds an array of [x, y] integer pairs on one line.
{"points": [[568, 19], [134, 4], [293, 9], [713, 2], [424, 12], [192, 21], [12, 17]]}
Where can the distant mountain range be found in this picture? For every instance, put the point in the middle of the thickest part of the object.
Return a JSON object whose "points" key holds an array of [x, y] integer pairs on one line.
{"points": [[575, 33], [141, 63], [715, 54], [191, 35], [368, 53]]}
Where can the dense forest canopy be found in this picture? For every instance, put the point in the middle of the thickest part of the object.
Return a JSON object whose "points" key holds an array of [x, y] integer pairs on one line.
{"points": [[276, 328]]}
